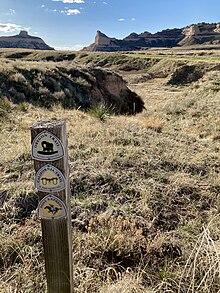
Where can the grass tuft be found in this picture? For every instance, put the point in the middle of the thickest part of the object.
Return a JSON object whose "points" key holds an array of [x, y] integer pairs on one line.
{"points": [[101, 112]]}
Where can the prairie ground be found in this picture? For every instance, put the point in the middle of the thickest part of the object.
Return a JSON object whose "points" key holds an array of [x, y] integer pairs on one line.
{"points": [[144, 189]]}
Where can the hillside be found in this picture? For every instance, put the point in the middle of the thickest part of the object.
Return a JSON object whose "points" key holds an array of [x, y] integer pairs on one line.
{"points": [[48, 85], [202, 33], [24, 40], [144, 188]]}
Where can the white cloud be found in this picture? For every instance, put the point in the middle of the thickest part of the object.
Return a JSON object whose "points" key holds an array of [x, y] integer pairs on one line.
{"points": [[72, 11], [10, 12], [42, 5], [11, 27], [121, 19], [104, 2], [70, 1], [133, 19]]}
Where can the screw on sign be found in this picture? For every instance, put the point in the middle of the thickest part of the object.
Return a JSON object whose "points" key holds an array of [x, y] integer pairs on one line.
{"points": [[49, 151]]}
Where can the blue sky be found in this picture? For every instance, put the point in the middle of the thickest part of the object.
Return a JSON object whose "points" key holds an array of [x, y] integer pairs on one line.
{"points": [[72, 24]]}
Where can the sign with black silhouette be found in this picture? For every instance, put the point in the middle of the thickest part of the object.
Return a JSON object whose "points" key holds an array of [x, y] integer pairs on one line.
{"points": [[47, 147], [49, 179], [51, 207]]}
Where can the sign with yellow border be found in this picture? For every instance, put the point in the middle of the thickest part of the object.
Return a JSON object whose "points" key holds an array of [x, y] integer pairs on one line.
{"points": [[49, 179], [51, 208]]}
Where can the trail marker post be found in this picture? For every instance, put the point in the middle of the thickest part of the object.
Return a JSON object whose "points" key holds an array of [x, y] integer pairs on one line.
{"points": [[49, 151]]}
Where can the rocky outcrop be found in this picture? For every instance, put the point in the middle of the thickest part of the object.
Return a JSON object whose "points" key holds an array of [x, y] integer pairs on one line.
{"points": [[104, 43], [24, 40], [134, 41], [111, 90], [202, 33]]}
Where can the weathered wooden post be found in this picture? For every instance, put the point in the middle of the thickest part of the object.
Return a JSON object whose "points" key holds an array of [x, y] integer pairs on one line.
{"points": [[49, 151]]}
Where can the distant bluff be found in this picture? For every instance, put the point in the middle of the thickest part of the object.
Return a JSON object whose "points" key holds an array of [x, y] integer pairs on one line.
{"points": [[24, 40], [201, 33]]}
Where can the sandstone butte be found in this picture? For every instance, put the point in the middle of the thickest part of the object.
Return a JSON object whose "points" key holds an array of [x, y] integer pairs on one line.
{"points": [[24, 40], [195, 34]]}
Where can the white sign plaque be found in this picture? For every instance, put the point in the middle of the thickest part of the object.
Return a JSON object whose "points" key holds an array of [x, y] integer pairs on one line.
{"points": [[47, 147], [49, 179]]}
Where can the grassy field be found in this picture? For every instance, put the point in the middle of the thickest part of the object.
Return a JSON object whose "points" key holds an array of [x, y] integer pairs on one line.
{"points": [[145, 188]]}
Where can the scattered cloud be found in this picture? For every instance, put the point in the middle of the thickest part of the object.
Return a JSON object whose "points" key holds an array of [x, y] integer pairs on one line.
{"points": [[11, 27], [71, 11], [104, 2], [70, 1], [133, 19], [10, 12], [121, 19], [50, 10], [42, 5]]}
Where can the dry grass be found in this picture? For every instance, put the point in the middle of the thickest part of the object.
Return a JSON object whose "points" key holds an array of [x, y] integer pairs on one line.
{"points": [[154, 123], [202, 269], [145, 194]]}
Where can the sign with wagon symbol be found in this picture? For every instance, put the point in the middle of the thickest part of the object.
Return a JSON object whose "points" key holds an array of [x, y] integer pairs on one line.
{"points": [[47, 147], [49, 178]]}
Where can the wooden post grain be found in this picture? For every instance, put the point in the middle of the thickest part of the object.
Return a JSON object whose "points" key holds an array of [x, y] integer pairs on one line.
{"points": [[56, 233]]}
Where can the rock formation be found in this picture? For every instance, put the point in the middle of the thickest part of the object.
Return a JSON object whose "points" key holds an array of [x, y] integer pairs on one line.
{"points": [[104, 43], [23, 40], [202, 33]]}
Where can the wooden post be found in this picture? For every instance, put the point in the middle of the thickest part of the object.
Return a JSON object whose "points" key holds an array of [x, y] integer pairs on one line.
{"points": [[49, 151]]}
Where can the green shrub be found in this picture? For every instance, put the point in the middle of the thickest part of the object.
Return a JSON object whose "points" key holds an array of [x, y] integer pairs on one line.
{"points": [[101, 112]]}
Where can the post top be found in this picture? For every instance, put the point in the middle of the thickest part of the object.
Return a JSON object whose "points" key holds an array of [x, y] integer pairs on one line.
{"points": [[48, 124]]}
